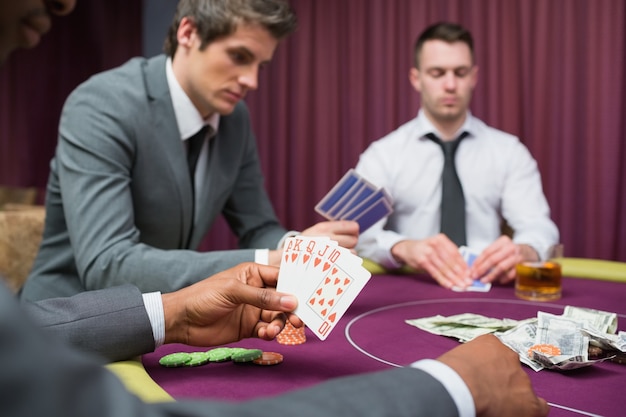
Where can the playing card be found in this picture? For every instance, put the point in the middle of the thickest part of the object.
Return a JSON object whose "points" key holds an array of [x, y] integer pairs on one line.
{"points": [[360, 194], [333, 293], [325, 278], [338, 191], [298, 251], [286, 277], [355, 198], [477, 286], [370, 211], [339, 208]]}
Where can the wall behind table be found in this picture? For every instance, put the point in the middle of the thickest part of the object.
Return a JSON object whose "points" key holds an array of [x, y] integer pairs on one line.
{"points": [[551, 72], [34, 84]]}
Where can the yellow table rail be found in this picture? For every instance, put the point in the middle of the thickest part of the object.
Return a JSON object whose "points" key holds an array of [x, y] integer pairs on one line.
{"points": [[594, 269], [136, 379], [571, 267]]}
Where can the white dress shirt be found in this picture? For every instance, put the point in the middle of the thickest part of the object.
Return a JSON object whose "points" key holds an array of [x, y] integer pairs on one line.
{"points": [[500, 179]]}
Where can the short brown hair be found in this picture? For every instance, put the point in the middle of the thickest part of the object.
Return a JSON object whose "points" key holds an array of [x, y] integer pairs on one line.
{"points": [[443, 31], [218, 18]]}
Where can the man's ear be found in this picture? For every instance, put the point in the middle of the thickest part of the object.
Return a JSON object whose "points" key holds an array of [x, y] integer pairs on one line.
{"points": [[414, 79], [186, 33], [474, 76]]}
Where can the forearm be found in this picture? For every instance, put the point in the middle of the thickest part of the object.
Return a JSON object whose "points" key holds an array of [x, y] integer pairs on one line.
{"points": [[152, 269]]}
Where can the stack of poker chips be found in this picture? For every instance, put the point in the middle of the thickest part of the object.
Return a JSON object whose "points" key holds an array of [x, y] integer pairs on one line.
{"points": [[222, 354], [291, 335]]}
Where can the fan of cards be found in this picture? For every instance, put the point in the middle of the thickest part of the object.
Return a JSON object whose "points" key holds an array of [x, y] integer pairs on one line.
{"points": [[325, 277], [354, 198]]}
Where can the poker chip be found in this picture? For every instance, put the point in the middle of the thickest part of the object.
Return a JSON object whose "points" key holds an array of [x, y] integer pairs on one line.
{"points": [[219, 354], [197, 359], [174, 360], [544, 348], [291, 335], [269, 358], [246, 355], [236, 351]]}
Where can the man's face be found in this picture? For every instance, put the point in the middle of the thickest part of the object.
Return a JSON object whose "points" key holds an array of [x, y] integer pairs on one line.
{"points": [[23, 22], [445, 79], [218, 77]]}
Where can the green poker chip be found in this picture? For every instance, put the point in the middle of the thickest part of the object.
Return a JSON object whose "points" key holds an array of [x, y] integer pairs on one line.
{"points": [[247, 355], [197, 359], [219, 354], [174, 360]]}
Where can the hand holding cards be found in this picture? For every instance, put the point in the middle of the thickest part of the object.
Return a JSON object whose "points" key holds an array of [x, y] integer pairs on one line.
{"points": [[354, 198], [325, 277]]}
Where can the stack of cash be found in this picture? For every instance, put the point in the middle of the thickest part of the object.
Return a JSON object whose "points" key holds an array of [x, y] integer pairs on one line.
{"points": [[577, 338]]}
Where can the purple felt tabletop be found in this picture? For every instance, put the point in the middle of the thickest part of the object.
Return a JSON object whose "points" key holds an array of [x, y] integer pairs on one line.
{"points": [[373, 335]]}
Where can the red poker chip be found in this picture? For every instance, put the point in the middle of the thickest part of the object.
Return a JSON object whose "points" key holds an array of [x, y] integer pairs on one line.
{"points": [[291, 342], [544, 348], [269, 358], [291, 335]]}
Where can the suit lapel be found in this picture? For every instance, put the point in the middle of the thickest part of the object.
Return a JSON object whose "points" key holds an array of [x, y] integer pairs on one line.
{"points": [[165, 129]]}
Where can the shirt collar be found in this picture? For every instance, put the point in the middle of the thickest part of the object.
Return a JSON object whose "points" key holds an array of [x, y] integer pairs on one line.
{"points": [[188, 118], [425, 126]]}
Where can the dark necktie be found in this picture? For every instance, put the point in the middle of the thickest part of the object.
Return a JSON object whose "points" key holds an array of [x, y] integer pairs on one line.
{"points": [[452, 199], [193, 151], [194, 147]]}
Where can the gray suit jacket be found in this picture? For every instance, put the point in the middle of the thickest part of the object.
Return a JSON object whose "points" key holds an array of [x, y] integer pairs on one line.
{"points": [[119, 198], [112, 322], [41, 377]]}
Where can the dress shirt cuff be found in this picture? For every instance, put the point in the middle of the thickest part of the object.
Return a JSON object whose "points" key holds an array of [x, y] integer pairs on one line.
{"points": [[262, 256], [154, 307], [286, 236], [386, 241], [453, 383]]}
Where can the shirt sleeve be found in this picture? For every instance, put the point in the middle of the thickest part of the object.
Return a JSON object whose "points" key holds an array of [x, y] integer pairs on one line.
{"points": [[262, 256], [453, 383], [154, 307]]}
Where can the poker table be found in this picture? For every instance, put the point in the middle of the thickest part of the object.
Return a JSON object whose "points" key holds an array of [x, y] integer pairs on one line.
{"points": [[373, 336]]}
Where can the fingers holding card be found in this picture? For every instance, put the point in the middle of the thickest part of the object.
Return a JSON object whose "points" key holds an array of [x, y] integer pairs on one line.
{"points": [[325, 277]]}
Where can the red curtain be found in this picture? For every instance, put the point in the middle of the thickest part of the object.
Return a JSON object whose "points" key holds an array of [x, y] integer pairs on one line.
{"points": [[551, 72], [97, 35]]}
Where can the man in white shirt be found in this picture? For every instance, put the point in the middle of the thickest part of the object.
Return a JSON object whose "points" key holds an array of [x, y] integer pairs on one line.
{"points": [[499, 177]]}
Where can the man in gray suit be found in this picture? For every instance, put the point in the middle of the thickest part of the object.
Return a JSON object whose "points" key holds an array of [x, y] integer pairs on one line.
{"points": [[43, 377], [122, 205]]}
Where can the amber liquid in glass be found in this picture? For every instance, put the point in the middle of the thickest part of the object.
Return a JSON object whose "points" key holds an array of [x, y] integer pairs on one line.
{"points": [[538, 281]]}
